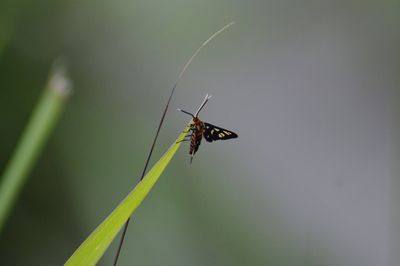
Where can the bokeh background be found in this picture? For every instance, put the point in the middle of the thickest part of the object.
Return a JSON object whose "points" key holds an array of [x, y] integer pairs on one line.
{"points": [[309, 86]]}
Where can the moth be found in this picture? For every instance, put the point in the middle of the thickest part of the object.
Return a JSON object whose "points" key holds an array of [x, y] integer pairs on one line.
{"points": [[199, 129]]}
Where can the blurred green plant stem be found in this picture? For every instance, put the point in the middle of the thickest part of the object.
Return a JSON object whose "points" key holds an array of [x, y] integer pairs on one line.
{"points": [[33, 139]]}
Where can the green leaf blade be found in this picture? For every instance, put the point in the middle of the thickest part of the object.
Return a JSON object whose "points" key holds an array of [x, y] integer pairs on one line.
{"points": [[92, 249]]}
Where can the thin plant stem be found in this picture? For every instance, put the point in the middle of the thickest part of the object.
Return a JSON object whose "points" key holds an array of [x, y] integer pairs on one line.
{"points": [[42, 122]]}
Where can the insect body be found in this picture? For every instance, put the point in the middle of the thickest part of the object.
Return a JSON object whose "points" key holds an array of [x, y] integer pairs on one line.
{"points": [[199, 129], [196, 135]]}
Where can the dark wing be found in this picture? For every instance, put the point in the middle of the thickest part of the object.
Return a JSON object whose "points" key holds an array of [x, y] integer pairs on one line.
{"points": [[212, 133]]}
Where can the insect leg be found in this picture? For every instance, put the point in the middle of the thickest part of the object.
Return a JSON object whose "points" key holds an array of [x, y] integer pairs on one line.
{"points": [[191, 128], [187, 138]]}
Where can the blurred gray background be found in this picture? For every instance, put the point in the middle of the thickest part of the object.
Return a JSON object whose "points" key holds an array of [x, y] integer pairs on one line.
{"points": [[309, 86]]}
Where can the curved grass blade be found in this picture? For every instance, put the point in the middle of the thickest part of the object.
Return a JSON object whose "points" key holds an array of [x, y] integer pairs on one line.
{"points": [[92, 249]]}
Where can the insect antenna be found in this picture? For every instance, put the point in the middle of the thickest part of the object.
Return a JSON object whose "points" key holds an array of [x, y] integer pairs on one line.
{"points": [[186, 112], [208, 97]]}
